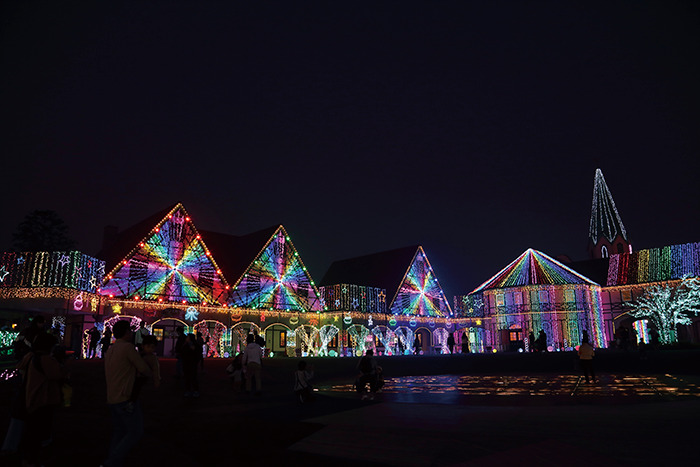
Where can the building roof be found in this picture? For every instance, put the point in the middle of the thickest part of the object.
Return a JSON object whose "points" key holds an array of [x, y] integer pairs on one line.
{"points": [[594, 269], [385, 269], [234, 253], [125, 241], [533, 268]]}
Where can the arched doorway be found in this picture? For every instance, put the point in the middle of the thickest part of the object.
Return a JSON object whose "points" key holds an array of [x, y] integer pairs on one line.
{"points": [[276, 339], [166, 331]]}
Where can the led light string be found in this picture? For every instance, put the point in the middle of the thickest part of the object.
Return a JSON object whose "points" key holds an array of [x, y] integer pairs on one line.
{"points": [[277, 280], [171, 264]]}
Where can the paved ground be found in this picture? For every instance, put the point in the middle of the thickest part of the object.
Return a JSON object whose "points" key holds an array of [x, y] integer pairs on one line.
{"points": [[461, 410]]}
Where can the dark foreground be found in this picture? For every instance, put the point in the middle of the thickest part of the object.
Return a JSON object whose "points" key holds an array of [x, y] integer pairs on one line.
{"points": [[508, 408]]}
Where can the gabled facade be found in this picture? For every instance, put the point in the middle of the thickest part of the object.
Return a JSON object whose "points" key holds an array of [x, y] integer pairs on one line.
{"points": [[276, 279], [537, 293], [606, 233], [170, 264], [420, 293]]}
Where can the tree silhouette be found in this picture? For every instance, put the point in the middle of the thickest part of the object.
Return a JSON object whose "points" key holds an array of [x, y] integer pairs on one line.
{"points": [[42, 231]]}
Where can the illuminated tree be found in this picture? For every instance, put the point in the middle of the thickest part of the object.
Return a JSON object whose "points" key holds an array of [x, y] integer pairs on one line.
{"points": [[668, 306]]}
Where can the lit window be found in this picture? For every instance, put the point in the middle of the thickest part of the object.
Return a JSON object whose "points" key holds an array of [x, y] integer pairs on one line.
{"points": [[544, 296], [500, 299], [570, 296], [518, 298]]}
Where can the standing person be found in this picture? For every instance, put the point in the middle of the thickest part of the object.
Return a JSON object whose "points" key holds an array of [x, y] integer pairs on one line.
{"points": [[416, 344], [147, 350], [259, 339], [106, 340], [94, 336], [252, 363], [235, 372], [465, 342], [190, 354], [586, 352], [451, 343], [302, 384], [542, 341], [201, 345], [367, 367], [140, 333], [179, 344], [23, 343], [122, 362], [533, 342], [43, 376]]}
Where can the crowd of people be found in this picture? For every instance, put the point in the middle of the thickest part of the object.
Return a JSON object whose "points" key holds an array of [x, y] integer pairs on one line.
{"points": [[131, 364]]}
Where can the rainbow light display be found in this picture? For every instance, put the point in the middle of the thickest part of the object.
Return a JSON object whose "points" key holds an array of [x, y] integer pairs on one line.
{"points": [[277, 280], [349, 297], [171, 264], [68, 269], [536, 292], [655, 265], [534, 268], [420, 293]]}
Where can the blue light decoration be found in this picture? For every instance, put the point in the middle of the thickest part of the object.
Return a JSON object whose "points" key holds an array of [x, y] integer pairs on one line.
{"points": [[351, 297], [670, 262], [191, 314], [171, 264], [64, 269], [277, 280], [420, 293]]}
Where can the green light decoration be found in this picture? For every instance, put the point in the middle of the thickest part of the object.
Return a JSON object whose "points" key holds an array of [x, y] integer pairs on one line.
{"points": [[171, 264], [655, 265], [277, 280], [420, 293], [668, 306]]}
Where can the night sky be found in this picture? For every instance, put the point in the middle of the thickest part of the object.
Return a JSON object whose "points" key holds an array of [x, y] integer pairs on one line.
{"points": [[472, 128]]}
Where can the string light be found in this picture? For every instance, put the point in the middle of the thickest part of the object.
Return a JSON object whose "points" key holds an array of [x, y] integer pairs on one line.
{"points": [[420, 293], [277, 279], [172, 263], [654, 265]]}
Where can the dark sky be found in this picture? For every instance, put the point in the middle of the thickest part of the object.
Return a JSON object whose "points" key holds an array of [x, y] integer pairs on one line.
{"points": [[472, 128]]}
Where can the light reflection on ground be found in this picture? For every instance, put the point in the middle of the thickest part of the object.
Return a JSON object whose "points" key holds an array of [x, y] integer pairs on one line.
{"points": [[542, 385]]}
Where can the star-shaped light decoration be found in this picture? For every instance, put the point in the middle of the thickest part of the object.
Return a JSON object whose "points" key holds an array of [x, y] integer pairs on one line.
{"points": [[191, 314], [355, 302], [345, 290], [381, 296], [65, 259], [3, 274], [337, 303], [93, 282], [20, 260], [370, 322], [335, 318]]}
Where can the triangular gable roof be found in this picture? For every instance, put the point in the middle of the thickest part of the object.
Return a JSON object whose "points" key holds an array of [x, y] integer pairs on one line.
{"points": [[124, 242], [276, 278], [400, 274], [170, 263], [234, 253], [384, 269], [533, 268], [420, 293], [605, 220]]}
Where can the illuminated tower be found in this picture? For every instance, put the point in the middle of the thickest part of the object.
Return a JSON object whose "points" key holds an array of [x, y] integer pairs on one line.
{"points": [[606, 234]]}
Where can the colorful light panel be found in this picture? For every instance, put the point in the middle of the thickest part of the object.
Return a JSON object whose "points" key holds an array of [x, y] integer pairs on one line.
{"points": [[420, 293], [277, 279], [172, 264]]}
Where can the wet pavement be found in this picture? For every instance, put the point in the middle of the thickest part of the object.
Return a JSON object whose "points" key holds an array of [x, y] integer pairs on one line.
{"points": [[450, 411]]}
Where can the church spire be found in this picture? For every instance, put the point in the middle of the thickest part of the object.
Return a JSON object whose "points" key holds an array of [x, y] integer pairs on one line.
{"points": [[607, 234]]}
